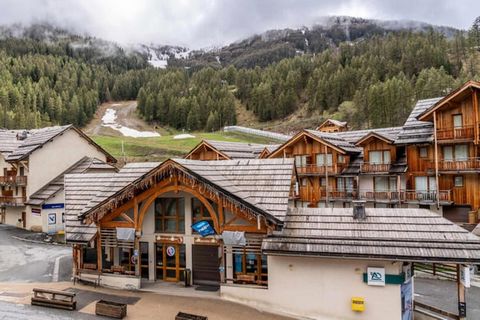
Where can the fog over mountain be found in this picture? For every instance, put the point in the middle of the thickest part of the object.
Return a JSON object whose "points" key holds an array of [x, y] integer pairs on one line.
{"points": [[206, 23]]}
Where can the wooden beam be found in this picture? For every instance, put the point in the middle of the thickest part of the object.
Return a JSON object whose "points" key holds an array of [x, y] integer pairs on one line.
{"points": [[115, 224], [99, 250], [126, 218], [135, 213], [475, 109], [327, 204], [436, 158]]}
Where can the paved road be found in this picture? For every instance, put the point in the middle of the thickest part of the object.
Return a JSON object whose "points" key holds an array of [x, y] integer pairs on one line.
{"points": [[29, 262], [443, 294]]}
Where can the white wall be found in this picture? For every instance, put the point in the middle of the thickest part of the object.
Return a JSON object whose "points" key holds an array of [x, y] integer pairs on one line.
{"points": [[41, 221], [55, 157], [318, 288]]}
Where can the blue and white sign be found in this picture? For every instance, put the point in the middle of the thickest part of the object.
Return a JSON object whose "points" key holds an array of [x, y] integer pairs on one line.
{"points": [[53, 206], [170, 251], [376, 276], [203, 227], [52, 218]]}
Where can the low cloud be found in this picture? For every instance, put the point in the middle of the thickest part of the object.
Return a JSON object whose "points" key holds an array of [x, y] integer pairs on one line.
{"points": [[202, 23]]}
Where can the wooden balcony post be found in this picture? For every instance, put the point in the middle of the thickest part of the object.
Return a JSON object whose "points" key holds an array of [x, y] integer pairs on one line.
{"points": [[475, 109], [436, 157], [99, 250]]}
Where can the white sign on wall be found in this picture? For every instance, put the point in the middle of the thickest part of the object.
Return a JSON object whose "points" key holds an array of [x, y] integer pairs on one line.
{"points": [[376, 276]]}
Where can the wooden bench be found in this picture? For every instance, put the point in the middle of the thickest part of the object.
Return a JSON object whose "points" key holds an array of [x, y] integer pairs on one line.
{"points": [[54, 299], [88, 276]]}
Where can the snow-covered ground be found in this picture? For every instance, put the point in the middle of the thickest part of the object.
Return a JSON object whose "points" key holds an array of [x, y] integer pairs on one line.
{"points": [[109, 119], [183, 136]]}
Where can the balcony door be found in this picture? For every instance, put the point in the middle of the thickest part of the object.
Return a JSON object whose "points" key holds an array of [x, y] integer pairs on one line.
{"points": [[458, 152], [379, 157]]}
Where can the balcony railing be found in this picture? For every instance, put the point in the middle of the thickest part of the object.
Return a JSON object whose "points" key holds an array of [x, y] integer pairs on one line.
{"points": [[341, 194], [13, 180], [426, 196], [313, 169], [368, 167], [465, 132], [10, 201], [382, 196], [466, 164]]}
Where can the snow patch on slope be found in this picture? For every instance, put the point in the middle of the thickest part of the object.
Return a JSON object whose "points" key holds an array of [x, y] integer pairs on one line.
{"points": [[109, 120]]}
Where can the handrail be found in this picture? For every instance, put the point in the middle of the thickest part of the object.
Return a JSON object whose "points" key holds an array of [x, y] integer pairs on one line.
{"points": [[457, 164], [427, 195], [382, 195], [463, 132], [20, 180], [10, 200], [375, 167], [320, 169]]}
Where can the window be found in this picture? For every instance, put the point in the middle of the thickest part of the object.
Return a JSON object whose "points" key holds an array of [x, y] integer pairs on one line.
{"points": [[423, 152], [304, 182], [379, 157], [323, 182], [425, 184], [385, 183], [301, 161], [199, 212], [323, 159], [250, 267], [461, 152], [341, 158], [345, 184], [170, 215], [457, 121], [458, 153], [458, 181]]}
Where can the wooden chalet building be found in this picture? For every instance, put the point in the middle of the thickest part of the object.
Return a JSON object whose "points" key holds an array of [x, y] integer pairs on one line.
{"points": [[243, 200]]}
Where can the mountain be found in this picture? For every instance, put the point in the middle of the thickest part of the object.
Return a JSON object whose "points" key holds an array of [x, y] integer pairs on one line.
{"points": [[275, 45]]}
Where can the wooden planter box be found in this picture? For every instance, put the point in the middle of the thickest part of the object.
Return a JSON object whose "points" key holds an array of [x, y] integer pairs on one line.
{"points": [[111, 309], [188, 316]]}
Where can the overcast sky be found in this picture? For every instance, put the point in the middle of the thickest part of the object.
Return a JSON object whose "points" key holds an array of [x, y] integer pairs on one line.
{"points": [[202, 23]]}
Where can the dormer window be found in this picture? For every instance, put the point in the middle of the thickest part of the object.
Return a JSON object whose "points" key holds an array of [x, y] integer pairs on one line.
{"points": [[379, 157]]}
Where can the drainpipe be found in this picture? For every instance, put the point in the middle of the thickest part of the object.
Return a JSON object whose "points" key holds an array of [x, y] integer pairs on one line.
{"points": [[327, 204], [436, 158]]}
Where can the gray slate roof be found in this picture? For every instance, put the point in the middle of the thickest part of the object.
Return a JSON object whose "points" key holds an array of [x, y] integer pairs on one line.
{"points": [[334, 138], [8, 141], [415, 131], [391, 234], [86, 164], [355, 135], [238, 150]]}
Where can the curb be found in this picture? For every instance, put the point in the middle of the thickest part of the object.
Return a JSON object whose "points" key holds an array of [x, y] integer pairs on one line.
{"points": [[40, 242]]}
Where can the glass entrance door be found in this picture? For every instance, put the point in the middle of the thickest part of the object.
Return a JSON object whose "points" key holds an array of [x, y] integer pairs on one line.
{"points": [[170, 261]]}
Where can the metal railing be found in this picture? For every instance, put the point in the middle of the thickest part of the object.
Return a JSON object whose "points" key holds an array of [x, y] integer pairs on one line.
{"points": [[315, 169], [13, 180], [12, 201], [368, 167], [464, 132], [426, 195]]}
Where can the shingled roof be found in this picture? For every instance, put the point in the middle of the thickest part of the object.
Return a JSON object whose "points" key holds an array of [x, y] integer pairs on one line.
{"points": [[15, 149], [86, 164], [234, 150], [391, 234], [415, 131]]}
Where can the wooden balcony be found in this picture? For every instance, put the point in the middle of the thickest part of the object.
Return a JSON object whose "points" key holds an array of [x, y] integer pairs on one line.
{"points": [[467, 164], [13, 180], [10, 201], [367, 167], [345, 195], [465, 132], [313, 169], [380, 196], [426, 196]]}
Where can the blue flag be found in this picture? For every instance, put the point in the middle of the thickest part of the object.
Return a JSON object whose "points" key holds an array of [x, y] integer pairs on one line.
{"points": [[203, 227]]}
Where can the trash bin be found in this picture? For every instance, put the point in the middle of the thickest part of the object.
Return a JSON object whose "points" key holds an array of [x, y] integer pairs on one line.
{"points": [[187, 275]]}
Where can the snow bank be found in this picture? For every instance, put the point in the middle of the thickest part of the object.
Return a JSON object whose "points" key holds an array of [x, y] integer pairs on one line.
{"points": [[183, 136], [109, 120]]}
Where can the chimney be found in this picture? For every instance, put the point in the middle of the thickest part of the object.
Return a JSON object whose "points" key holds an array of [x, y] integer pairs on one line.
{"points": [[359, 210], [22, 135]]}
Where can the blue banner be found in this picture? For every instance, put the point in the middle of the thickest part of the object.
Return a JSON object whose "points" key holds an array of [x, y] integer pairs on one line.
{"points": [[203, 227], [53, 206]]}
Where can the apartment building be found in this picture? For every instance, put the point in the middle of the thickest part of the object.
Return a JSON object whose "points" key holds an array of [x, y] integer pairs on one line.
{"points": [[32, 164]]}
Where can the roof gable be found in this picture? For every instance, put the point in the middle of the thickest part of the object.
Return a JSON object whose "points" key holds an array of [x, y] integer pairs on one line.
{"points": [[427, 114]]}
